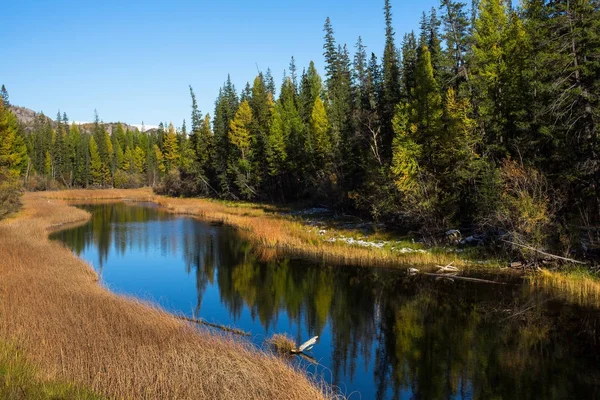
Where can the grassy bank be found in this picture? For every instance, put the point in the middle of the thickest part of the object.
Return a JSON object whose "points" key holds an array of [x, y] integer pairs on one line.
{"points": [[18, 380], [72, 330], [279, 234], [575, 286]]}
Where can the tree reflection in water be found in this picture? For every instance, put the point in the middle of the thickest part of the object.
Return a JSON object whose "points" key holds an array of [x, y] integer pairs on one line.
{"points": [[383, 333]]}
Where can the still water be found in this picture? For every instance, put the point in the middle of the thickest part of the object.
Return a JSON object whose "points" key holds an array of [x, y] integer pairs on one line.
{"points": [[382, 334]]}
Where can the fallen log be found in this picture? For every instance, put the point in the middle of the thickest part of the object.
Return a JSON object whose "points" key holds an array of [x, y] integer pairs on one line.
{"points": [[544, 253], [463, 278], [306, 345]]}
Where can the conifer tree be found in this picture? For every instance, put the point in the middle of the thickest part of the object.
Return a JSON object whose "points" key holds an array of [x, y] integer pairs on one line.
{"points": [[170, 149], [96, 173], [239, 134], [4, 96], [318, 141], [160, 160], [276, 142], [13, 152], [391, 81], [489, 70], [310, 89]]}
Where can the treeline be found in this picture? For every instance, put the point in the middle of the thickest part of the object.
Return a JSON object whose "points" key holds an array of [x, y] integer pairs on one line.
{"points": [[487, 118], [58, 154]]}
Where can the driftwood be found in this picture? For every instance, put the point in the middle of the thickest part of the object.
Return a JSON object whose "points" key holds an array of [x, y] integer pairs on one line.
{"points": [[222, 327], [447, 268], [544, 253], [305, 346]]}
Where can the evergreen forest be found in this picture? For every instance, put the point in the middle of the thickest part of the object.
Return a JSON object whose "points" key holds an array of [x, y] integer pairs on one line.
{"points": [[485, 120]]}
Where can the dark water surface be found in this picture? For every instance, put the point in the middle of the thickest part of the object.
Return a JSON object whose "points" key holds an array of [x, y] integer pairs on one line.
{"points": [[383, 334]]}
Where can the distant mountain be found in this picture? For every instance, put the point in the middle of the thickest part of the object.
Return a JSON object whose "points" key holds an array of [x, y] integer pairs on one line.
{"points": [[27, 118]]}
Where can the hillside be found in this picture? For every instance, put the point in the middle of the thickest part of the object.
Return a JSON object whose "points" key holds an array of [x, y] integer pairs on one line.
{"points": [[27, 117]]}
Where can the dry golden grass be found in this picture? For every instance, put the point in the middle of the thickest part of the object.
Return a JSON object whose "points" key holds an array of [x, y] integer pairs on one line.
{"points": [[282, 344], [274, 234], [575, 287], [72, 329]]}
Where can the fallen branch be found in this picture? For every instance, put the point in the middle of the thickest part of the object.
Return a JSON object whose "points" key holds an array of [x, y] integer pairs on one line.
{"points": [[222, 327], [447, 268], [544, 253], [464, 278]]}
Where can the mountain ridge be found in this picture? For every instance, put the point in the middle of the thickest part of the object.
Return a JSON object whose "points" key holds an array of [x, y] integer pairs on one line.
{"points": [[27, 117]]}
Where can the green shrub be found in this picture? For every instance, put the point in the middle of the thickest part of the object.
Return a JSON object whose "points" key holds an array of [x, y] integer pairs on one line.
{"points": [[10, 193]]}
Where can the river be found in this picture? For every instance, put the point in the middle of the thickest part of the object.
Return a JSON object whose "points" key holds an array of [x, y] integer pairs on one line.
{"points": [[382, 333]]}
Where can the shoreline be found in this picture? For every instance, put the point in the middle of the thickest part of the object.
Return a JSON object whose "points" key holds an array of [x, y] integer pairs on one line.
{"points": [[73, 330], [276, 234]]}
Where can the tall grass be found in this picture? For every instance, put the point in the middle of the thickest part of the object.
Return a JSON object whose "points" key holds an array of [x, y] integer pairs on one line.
{"points": [[18, 380], [576, 286], [73, 330]]}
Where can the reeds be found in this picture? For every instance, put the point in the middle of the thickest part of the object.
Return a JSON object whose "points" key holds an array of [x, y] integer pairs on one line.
{"points": [[73, 330], [576, 286]]}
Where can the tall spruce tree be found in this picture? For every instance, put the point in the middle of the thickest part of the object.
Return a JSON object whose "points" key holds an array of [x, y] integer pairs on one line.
{"points": [[391, 81]]}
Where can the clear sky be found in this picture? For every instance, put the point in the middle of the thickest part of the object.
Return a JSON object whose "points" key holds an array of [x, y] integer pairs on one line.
{"points": [[133, 60]]}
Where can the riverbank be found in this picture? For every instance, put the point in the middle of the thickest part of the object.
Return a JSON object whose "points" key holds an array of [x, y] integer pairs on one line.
{"points": [[69, 328]]}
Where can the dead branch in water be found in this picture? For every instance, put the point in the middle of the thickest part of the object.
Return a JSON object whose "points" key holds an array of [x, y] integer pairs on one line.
{"points": [[464, 278], [222, 327]]}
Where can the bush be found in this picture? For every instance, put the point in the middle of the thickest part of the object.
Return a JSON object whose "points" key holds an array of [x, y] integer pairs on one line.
{"points": [[124, 180], [526, 206], [10, 193], [170, 185]]}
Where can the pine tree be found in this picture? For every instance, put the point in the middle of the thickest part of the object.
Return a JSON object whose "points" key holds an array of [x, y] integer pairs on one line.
{"points": [[489, 69], [310, 89], [13, 152], [276, 141], [330, 53], [294, 74], [426, 114], [456, 35], [96, 173], [170, 149], [409, 62], [239, 134], [391, 82], [225, 108], [160, 160], [418, 141], [4, 97], [139, 159], [270, 82], [319, 142]]}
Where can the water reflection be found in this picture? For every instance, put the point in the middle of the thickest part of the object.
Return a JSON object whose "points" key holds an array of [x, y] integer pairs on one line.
{"points": [[383, 334]]}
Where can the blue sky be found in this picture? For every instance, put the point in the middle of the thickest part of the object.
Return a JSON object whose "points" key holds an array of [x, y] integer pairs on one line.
{"points": [[133, 60]]}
